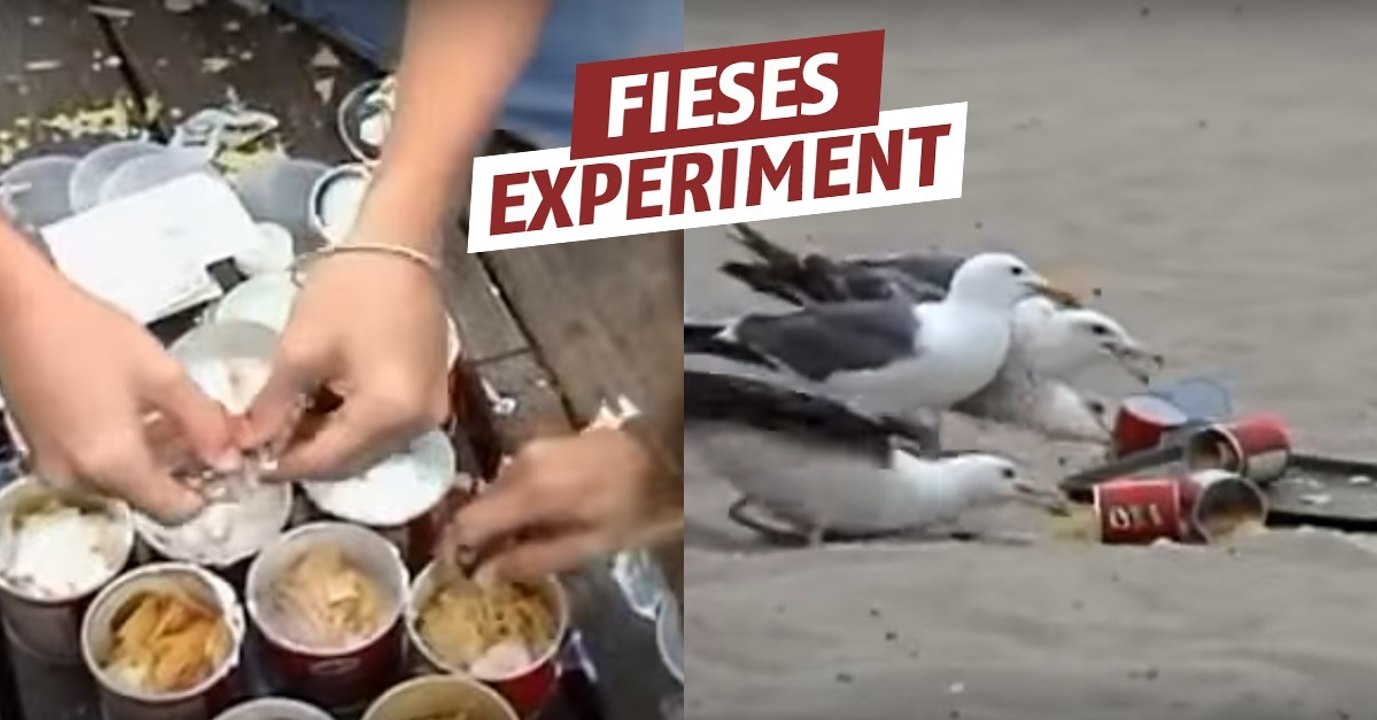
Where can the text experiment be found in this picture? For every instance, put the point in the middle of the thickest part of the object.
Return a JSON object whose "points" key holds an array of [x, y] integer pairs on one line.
{"points": [[712, 137]]}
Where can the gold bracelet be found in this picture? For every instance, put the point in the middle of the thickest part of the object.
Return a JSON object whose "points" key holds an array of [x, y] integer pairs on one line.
{"points": [[400, 251]]}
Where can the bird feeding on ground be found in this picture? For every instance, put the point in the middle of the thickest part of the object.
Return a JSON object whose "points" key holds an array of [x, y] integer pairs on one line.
{"points": [[822, 467]]}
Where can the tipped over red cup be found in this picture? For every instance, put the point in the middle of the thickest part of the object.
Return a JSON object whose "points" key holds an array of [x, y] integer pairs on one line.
{"points": [[1137, 511]]}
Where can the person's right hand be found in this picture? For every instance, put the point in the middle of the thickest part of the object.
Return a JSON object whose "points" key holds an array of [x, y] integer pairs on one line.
{"points": [[82, 381]]}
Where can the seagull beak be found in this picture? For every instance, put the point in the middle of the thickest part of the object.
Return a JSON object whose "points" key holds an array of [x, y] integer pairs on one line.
{"points": [[1043, 286], [1049, 500], [1136, 360]]}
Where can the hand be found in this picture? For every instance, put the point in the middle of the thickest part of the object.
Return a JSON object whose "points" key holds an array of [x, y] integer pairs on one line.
{"points": [[558, 503], [370, 328], [83, 381]]}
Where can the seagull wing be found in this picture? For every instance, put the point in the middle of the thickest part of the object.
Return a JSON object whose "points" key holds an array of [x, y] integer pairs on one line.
{"points": [[820, 341], [722, 397]]}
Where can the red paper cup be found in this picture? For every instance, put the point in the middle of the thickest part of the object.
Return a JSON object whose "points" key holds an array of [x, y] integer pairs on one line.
{"points": [[1139, 511], [425, 473], [274, 709], [206, 699], [1142, 422], [341, 679], [42, 620], [1220, 502], [529, 688], [1257, 447], [438, 696]]}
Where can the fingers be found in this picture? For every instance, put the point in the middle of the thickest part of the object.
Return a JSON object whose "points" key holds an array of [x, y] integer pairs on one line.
{"points": [[124, 466], [508, 506], [350, 439], [204, 423], [278, 404], [533, 559]]}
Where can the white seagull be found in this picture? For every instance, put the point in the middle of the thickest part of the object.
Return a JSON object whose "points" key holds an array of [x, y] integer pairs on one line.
{"points": [[824, 468], [899, 357], [1051, 342]]}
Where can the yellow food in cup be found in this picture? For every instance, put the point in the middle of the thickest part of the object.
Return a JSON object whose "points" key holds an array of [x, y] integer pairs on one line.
{"points": [[167, 642], [464, 622]]}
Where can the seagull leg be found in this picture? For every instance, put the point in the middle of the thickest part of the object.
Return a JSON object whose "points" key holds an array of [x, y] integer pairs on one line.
{"points": [[815, 534]]}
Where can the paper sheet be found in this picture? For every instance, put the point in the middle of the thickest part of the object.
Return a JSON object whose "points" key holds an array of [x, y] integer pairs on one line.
{"points": [[148, 253]]}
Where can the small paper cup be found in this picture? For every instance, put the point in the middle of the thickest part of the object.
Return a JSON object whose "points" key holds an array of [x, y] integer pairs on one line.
{"points": [[201, 702], [436, 695], [45, 624], [425, 472], [335, 201], [343, 678], [527, 689], [274, 709]]}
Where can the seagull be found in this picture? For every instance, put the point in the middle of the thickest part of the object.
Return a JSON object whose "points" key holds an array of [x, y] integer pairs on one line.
{"points": [[897, 357], [824, 468], [1052, 341]]}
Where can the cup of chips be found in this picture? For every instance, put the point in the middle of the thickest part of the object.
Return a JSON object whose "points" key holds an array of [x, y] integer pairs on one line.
{"points": [[328, 598], [503, 633], [165, 641]]}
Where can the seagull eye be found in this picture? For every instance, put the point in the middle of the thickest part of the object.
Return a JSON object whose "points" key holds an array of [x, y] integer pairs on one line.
{"points": [[1016, 270], [1009, 473], [1099, 329]]}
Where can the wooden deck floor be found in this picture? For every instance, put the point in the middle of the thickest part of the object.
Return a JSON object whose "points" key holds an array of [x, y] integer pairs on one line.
{"points": [[558, 329]]}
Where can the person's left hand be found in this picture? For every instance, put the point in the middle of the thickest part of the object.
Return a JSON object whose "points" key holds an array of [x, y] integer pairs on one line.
{"points": [[559, 502], [370, 328]]}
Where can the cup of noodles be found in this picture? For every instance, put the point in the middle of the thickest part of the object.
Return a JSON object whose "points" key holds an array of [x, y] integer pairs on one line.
{"points": [[403, 497], [1142, 422], [1138, 510], [328, 599], [57, 550], [441, 697], [227, 534], [1223, 503], [165, 641], [505, 634], [1257, 447], [274, 709]]}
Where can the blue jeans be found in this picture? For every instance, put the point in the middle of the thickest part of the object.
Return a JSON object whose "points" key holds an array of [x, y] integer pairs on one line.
{"points": [[539, 108]]}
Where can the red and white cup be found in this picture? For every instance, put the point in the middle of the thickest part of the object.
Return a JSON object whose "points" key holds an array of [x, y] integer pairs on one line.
{"points": [[203, 701], [340, 679], [1143, 421], [1220, 502], [528, 689], [405, 498], [1139, 510], [43, 621], [1257, 447], [438, 696]]}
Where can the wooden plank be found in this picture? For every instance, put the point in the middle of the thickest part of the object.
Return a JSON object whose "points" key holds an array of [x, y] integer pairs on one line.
{"points": [[68, 108], [486, 326], [193, 60], [539, 408], [603, 316]]}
